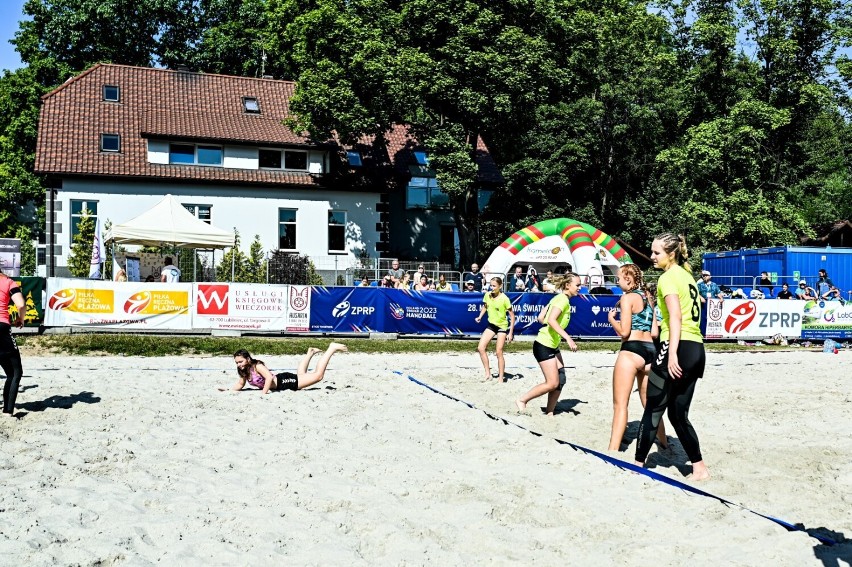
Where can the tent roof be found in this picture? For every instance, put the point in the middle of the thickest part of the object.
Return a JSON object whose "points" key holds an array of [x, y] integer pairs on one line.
{"points": [[168, 222]]}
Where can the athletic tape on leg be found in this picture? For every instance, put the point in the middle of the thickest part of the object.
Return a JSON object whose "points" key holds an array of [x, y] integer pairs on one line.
{"points": [[628, 466]]}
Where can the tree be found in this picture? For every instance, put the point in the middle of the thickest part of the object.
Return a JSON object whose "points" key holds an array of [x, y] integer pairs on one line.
{"points": [[455, 71], [254, 270], [80, 258], [28, 251], [232, 264]]}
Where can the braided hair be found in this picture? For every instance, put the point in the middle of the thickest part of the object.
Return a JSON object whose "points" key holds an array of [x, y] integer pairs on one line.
{"points": [[675, 243]]}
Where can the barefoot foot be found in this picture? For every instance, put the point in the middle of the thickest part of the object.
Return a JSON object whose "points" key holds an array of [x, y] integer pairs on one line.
{"points": [[522, 406], [699, 472], [334, 347]]}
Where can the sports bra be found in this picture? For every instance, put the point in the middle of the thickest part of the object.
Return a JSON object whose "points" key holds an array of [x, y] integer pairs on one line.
{"points": [[642, 321], [256, 379]]}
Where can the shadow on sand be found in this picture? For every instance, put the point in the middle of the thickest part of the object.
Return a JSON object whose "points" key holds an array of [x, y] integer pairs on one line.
{"points": [[57, 402]]}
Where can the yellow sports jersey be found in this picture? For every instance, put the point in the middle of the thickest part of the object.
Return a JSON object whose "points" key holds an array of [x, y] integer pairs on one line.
{"points": [[498, 308], [547, 336], [677, 281]]}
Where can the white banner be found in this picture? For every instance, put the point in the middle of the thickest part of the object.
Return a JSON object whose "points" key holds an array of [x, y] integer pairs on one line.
{"points": [[98, 303], [252, 307], [754, 318]]}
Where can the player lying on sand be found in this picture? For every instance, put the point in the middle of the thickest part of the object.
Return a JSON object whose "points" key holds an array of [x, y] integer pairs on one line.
{"points": [[255, 372]]}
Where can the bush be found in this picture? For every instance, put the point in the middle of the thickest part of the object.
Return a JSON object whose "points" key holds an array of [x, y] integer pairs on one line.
{"points": [[290, 268]]}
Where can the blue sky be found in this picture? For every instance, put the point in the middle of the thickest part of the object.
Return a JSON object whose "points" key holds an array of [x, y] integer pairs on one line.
{"points": [[11, 12]]}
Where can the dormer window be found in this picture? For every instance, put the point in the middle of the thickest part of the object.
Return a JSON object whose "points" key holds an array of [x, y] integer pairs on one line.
{"points": [[110, 143], [112, 93], [250, 105], [420, 158]]}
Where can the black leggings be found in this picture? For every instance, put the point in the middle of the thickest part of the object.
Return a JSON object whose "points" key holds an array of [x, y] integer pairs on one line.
{"points": [[10, 361], [674, 394]]}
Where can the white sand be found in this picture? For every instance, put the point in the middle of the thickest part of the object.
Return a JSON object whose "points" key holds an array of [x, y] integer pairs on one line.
{"points": [[132, 461]]}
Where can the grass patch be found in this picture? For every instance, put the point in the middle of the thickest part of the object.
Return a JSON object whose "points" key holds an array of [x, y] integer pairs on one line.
{"points": [[173, 345]]}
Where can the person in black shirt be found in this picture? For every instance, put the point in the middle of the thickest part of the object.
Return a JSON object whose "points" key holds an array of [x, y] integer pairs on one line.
{"points": [[785, 292]]}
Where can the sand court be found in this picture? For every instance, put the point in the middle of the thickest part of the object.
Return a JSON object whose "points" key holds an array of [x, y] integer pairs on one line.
{"points": [[135, 461]]}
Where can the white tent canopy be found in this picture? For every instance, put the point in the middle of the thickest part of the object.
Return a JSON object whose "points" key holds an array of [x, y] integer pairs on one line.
{"points": [[168, 222]]}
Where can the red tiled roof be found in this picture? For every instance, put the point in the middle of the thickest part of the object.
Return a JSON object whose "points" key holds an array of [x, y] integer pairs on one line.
{"points": [[173, 105], [161, 103]]}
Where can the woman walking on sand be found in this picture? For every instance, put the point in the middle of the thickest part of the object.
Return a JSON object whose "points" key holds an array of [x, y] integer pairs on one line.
{"points": [[10, 356], [255, 372], [637, 350], [498, 305], [680, 360], [555, 318]]}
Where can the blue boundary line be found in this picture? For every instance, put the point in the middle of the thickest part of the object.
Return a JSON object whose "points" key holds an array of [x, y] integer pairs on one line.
{"points": [[624, 465]]}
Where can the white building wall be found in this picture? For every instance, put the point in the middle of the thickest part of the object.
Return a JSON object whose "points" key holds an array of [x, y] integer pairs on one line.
{"points": [[240, 157], [251, 211]]}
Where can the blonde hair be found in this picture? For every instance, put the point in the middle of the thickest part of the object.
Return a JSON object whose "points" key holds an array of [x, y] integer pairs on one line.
{"points": [[675, 243], [635, 273], [561, 282], [497, 279]]}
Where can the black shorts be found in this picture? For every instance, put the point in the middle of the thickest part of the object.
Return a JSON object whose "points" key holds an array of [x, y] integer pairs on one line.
{"points": [[287, 381], [8, 345], [542, 353], [690, 357], [496, 329], [644, 349]]}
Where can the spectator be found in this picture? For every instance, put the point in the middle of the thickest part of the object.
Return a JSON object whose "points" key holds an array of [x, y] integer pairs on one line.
{"points": [[766, 281], [421, 271], [121, 275], [532, 280], [364, 282], [405, 282], [545, 283], [824, 283], [170, 273], [443, 284], [475, 275], [422, 284], [469, 285], [708, 289], [387, 281], [395, 272], [833, 294], [518, 282], [805, 292], [785, 292], [150, 278]]}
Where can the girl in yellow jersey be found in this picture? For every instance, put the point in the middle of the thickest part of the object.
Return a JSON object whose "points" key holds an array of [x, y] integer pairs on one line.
{"points": [[680, 359], [555, 318], [498, 305]]}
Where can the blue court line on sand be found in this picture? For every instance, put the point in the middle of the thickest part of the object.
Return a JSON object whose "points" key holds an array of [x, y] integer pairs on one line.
{"points": [[629, 466]]}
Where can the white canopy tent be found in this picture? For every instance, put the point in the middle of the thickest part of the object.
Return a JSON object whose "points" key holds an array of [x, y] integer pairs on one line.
{"points": [[169, 223]]}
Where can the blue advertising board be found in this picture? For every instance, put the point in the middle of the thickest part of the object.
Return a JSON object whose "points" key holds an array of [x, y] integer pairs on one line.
{"points": [[362, 310]]}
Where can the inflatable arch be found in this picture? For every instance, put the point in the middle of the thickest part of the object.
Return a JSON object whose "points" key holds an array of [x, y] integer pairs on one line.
{"points": [[551, 243]]}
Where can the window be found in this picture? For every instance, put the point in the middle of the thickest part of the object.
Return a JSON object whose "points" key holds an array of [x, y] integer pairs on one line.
{"points": [[424, 193], [80, 209], [287, 229], [269, 159], [191, 154], [181, 153], [337, 231], [110, 143], [354, 158], [251, 105], [295, 160], [209, 155], [111, 93], [420, 158], [201, 212]]}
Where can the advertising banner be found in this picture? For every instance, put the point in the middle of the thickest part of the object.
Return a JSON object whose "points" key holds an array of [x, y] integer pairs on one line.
{"points": [[347, 309], [10, 256], [733, 318], [32, 290], [299, 309], [242, 306], [826, 320], [97, 303], [363, 310]]}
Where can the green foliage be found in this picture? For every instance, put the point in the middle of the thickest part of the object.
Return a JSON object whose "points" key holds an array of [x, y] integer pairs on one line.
{"points": [[28, 251], [80, 258], [289, 268]]}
